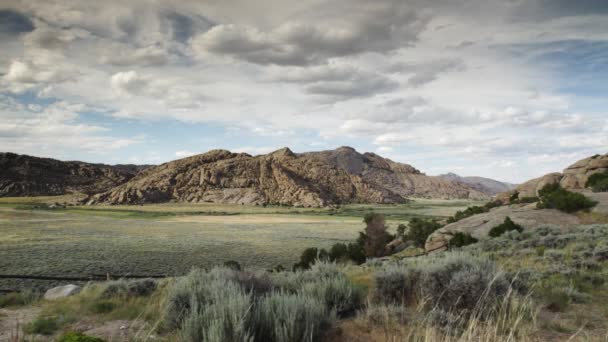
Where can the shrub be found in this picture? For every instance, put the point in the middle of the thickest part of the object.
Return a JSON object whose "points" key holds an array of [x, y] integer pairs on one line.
{"points": [[78, 337], [401, 230], [220, 311], [396, 286], [356, 253], [420, 229], [18, 298], [129, 288], [463, 283], [507, 226], [233, 265], [514, 196], [553, 196], [284, 317], [600, 186], [596, 179], [338, 294], [460, 239], [309, 257], [101, 306], [42, 326], [338, 252]]}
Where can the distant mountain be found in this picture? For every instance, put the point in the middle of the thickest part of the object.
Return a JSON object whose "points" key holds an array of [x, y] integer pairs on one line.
{"points": [[283, 177], [487, 186], [22, 175]]}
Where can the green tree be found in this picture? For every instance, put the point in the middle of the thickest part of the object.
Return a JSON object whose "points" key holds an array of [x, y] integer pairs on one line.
{"points": [[420, 229], [376, 235]]}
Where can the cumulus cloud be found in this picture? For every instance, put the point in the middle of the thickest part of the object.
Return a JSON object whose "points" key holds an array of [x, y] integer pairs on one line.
{"points": [[405, 77], [335, 82], [375, 27]]}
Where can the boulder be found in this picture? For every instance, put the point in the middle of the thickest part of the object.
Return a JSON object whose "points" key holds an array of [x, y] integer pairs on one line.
{"points": [[576, 175], [531, 187], [62, 292]]}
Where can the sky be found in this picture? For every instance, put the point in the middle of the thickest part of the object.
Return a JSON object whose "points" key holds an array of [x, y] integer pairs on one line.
{"points": [[506, 89]]}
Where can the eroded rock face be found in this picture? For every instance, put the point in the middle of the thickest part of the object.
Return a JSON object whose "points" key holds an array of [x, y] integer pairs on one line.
{"points": [[308, 179], [479, 225], [22, 175], [574, 177]]}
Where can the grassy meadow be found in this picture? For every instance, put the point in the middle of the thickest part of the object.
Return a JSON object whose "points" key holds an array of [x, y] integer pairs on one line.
{"points": [[173, 238]]}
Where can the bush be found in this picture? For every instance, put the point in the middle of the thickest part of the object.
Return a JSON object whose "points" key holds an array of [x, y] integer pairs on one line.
{"points": [[78, 337], [42, 326], [338, 294], [553, 196], [284, 317], [101, 306], [338, 252], [420, 229], [18, 298], [460, 239], [474, 210], [220, 311], [233, 265], [396, 286], [599, 180], [463, 283], [129, 288], [309, 257], [507, 226], [601, 186]]}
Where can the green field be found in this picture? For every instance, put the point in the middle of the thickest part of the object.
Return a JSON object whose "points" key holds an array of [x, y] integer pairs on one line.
{"points": [[173, 238]]}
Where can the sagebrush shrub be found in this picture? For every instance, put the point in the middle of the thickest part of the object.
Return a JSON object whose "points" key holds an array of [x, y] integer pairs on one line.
{"points": [[396, 286], [220, 312], [285, 317], [337, 293]]}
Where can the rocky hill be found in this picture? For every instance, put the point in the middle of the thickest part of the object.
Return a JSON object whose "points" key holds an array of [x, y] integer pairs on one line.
{"points": [[527, 215], [283, 177], [22, 175], [487, 186], [573, 177]]}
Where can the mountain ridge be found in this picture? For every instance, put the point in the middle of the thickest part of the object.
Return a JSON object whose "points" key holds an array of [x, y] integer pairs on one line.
{"points": [[311, 179], [483, 184]]}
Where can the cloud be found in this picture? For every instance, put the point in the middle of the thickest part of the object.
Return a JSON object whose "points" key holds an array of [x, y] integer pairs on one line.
{"points": [[147, 56], [22, 76], [128, 83], [55, 127], [426, 72], [185, 153], [377, 27], [12, 22], [336, 82]]}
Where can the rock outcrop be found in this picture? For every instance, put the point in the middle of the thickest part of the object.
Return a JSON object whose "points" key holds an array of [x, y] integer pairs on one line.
{"points": [[22, 175], [573, 177], [283, 177], [479, 225]]}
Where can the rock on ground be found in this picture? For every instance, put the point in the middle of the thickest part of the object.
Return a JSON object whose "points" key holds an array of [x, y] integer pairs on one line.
{"points": [[62, 292]]}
